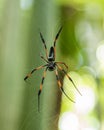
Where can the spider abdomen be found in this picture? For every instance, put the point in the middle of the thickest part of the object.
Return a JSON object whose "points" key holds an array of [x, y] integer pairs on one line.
{"points": [[51, 56]]}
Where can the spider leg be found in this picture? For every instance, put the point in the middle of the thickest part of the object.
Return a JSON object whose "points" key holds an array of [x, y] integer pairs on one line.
{"points": [[60, 86], [41, 85], [43, 58], [69, 78], [28, 75], [62, 63], [43, 41], [57, 35]]}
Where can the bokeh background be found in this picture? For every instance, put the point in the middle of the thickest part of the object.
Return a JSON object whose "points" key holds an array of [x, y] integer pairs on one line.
{"points": [[80, 46]]}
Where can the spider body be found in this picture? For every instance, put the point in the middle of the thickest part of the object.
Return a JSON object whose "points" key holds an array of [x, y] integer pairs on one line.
{"points": [[51, 56], [52, 65]]}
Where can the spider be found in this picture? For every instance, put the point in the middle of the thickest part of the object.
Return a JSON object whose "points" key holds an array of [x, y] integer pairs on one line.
{"points": [[52, 65]]}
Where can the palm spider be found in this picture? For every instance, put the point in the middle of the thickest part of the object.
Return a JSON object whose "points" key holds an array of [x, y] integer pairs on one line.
{"points": [[52, 65]]}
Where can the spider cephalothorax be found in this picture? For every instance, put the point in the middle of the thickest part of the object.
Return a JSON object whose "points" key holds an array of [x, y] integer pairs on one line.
{"points": [[51, 65]]}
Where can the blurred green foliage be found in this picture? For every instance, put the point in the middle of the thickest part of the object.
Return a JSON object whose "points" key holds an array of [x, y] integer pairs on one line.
{"points": [[21, 46]]}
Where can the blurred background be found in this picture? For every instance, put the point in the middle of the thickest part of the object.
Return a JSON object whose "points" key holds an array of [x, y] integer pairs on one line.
{"points": [[80, 46]]}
